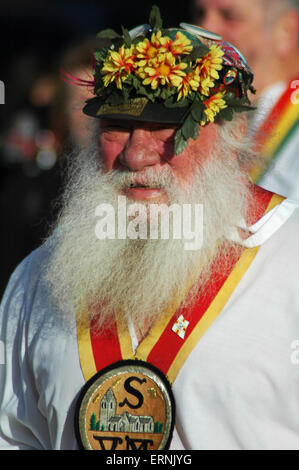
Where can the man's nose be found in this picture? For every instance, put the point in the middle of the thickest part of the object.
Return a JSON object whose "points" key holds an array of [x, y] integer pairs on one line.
{"points": [[140, 151]]}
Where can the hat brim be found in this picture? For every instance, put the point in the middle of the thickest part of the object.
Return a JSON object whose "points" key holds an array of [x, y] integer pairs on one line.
{"points": [[142, 110]]}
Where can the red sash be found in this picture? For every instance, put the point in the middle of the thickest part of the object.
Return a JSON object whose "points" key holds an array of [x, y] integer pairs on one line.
{"points": [[162, 347]]}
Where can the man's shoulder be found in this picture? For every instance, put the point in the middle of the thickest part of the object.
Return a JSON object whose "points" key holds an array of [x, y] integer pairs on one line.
{"points": [[28, 274], [27, 300], [281, 230], [35, 263], [277, 230], [289, 214]]}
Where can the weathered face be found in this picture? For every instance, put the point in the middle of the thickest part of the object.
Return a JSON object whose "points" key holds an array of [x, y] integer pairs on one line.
{"points": [[137, 146], [239, 22]]}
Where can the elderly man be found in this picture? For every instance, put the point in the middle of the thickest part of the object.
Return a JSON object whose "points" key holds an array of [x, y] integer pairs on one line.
{"points": [[267, 32], [127, 341]]}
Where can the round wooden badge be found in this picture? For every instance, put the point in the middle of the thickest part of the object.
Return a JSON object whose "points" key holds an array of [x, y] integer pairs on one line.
{"points": [[126, 406]]}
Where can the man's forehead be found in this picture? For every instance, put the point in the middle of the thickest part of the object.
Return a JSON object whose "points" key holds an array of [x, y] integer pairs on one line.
{"points": [[218, 3], [229, 4]]}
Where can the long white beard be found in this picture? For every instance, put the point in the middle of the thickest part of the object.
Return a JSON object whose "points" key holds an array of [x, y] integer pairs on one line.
{"points": [[138, 278]]}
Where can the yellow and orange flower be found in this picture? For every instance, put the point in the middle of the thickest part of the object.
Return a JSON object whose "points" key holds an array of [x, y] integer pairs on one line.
{"points": [[118, 66], [207, 67], [164, 71], [214, 105], [180, 46], [146, 50], [190, 83]]}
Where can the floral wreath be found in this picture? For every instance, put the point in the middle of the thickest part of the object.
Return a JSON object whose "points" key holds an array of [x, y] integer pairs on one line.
{"points": [[189, 72]]}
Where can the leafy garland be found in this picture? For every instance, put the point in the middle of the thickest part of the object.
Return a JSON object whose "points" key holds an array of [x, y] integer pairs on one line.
{"points": [[223, 103]]}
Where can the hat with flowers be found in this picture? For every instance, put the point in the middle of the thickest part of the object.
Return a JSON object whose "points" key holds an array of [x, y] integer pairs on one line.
{"points": [[185, 76]]}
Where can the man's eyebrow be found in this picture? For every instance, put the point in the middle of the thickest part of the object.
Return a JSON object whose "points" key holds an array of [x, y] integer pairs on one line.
{"points": [[231, 12]]}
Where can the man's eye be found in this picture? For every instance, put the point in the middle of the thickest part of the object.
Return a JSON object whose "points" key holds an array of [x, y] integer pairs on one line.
{"points": [[165, 134], [115, 128], [229, 15], [199, 15], [115, 133]]}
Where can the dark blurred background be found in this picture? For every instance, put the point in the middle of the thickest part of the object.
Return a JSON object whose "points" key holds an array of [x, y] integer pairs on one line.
{"points": [[41, 119]]}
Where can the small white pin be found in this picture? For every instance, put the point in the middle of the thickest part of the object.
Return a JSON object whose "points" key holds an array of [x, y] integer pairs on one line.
{"points": [[180, 327]]}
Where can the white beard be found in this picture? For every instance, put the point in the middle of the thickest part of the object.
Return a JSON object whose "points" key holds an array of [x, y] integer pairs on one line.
{"points": [[139, 278]]}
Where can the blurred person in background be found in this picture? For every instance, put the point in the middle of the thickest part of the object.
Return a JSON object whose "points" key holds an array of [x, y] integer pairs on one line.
{"points": [[70, 126], [29, 161], [47, 122], [267, 33]]}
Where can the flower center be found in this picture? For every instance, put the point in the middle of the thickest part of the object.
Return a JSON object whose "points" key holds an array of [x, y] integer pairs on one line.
{"points": [[164, 70]]}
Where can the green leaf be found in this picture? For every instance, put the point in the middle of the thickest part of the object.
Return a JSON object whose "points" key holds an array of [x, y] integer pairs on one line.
{"points": [[127, 37], [142, 90], [135, 81], [108, 34], [100, 54], [189, 127], [164, 93], [197, 110], [129, 80], [196, 131], [172, 102], [196, 53], [180, 143], [157, 92], [126, 93], [226, 114], [155, 19], [237, 105], [243, 108], [232, 100]]}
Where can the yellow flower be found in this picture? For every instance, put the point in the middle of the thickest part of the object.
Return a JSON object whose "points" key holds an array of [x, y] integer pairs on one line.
{"points": [[207, 67], [118, 65], [164, 71], [159, 41], [146, 50], [180, 46], [190, 82], [214, 105]]}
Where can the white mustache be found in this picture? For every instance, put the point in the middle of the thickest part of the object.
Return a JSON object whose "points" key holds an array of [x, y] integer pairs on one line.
{"points": [[163, 178]]}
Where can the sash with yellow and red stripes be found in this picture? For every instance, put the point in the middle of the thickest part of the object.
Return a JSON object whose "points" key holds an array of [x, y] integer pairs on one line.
{"points": [[162, 347], [279, 126]]}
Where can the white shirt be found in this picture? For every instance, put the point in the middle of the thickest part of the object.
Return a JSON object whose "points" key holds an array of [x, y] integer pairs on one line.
{"points": [[238, 389]]}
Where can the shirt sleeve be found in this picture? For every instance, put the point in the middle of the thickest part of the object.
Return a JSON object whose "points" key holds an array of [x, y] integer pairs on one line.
{"points": [[22, 426]]}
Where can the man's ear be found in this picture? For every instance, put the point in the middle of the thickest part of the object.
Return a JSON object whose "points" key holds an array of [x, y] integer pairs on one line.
{"points": [[239, 127], [286, 33], [242, 124]]}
